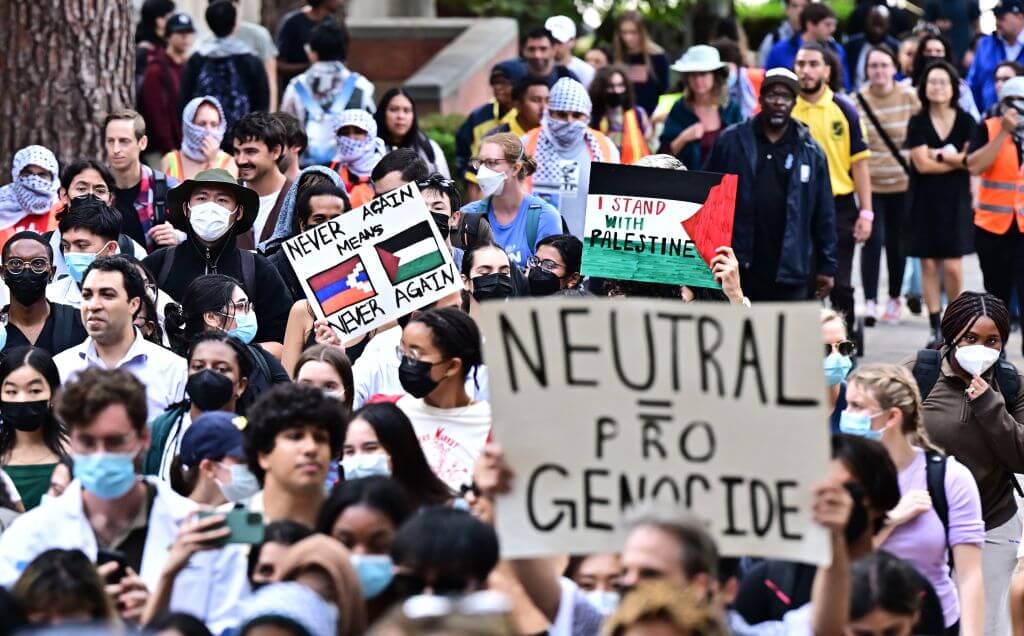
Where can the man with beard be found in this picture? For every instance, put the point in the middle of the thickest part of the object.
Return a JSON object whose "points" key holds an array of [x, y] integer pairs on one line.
{"points": [[784, 230], [834, 123], [260, 142]]}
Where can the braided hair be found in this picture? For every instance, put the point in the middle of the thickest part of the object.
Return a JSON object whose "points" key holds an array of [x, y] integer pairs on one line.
{"points": [[456, 335], [964, 311], [893, 386]]}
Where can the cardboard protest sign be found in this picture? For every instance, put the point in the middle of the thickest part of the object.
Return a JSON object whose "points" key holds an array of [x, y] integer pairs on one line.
{"points": [[605, 405], [656, 225], [374, 264]]}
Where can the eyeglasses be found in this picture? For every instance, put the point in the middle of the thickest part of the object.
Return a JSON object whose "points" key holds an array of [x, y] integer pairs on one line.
{"points": [[436, 181], [16, 265], [844, 348], [490, 164], [546, 264], [413, 355], [233, 309], [81, 189]]}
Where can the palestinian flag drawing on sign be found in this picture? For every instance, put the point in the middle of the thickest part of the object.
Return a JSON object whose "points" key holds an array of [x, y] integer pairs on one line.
{"points": [[655, 225], [408, 254]]}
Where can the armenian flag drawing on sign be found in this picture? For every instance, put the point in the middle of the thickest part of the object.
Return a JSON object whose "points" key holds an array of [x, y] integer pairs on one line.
{"points": [[656, 225], [374, 264]]}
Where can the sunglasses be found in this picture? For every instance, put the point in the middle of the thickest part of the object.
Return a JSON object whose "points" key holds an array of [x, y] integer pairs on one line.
{"points": [[844, 348]]}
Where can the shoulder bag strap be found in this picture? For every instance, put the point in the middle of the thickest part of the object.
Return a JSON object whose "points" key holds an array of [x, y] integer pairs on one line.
{"points": [[884, 135]]}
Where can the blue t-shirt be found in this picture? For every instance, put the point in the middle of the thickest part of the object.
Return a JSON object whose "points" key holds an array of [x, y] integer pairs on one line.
{"points": [[512, 237]]}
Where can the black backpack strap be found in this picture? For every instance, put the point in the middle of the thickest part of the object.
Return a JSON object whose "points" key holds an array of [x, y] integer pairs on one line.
{"points": [[1009, 385], [63, 327], [927, 368], [249, 272], [125, 244], [935, 477], [165, 268], [159, 197]]}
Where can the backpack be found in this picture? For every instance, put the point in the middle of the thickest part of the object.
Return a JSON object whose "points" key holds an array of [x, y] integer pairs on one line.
{"points": [[159, 198], [219, 77], [320, 124]]}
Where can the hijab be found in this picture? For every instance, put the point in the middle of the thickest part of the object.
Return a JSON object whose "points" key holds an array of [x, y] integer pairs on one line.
{"points": [[331, 558]]}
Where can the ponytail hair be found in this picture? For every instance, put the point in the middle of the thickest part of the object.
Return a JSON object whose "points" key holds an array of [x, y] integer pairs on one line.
{"points": [[893, 386], [183, 478], [514, 151]]}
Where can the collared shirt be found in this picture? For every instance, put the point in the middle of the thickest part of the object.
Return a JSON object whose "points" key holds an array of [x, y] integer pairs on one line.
{"points": [[836, 126], [161, 371], [1012, 50]]}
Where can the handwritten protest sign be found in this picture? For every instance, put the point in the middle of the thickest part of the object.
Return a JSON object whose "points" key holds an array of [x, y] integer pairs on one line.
{"points": [[373, 264], [602, 406], [656, 225]]}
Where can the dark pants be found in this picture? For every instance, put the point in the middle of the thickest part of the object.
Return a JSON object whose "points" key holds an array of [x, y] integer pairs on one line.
{"points": [[842, 293], [1002, 262], [761, 288], [888, 231]]}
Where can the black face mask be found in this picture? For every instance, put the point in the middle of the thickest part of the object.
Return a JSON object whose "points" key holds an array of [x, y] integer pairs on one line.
{"points": [[543, 282], [492, 286], [25, 416], [441, 221], [614, 99], [209, 390], [27, 287], [858, 522], [415, 377]]}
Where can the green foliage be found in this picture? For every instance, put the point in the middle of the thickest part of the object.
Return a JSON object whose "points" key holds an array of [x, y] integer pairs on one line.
{"points": [[442, 129], [529, 13]]}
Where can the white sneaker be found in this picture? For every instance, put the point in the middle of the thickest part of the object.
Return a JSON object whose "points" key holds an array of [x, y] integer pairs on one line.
{"points": [[870, 313]]}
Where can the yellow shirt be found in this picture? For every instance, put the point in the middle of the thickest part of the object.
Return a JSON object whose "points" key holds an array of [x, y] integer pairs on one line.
{"points": [[836, 126]]}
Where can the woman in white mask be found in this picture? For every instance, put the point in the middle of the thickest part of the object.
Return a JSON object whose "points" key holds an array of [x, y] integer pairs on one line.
{"points": [[28, 202], [974, 410], [210, 468], [518, 220]]}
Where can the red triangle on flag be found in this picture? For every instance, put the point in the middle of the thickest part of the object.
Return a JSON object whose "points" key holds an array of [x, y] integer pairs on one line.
{"points": [[711, 227], [389, 261]]}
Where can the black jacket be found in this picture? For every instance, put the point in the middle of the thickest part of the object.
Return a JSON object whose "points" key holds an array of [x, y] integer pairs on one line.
{"points": [[269, 295], [810, 234], [284, 268]]}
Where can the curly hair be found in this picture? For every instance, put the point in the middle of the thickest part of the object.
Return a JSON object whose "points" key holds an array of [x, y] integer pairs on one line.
{"points": [[93, 390], [287, 406]]}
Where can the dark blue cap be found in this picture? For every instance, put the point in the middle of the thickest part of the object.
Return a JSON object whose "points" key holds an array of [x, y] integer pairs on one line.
{"points": [[1008, 6], [212, 435], [512, 70], [179, 23]]}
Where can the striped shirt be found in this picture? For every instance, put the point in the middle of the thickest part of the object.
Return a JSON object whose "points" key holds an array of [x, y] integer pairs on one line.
{"points": [[893, 111]]}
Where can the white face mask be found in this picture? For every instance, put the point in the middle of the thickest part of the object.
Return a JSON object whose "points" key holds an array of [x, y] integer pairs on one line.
{"points": [[243, 484], [976, 359], [491, 182], [210, 221], [604, 601], [366, 465]]}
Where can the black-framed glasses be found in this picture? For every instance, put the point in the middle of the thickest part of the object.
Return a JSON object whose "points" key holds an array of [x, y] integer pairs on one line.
{"points": [[546, 264], [16, 265], [843, 348]]}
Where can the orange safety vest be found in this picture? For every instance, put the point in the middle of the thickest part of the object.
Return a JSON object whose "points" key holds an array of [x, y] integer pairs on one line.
{"points": [[176, 168], [634, 146], [604, 144], [360, 192], [756, 77], [1001, 196]]}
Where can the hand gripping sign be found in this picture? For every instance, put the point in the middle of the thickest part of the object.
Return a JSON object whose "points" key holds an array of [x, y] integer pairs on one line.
{"points": [[607, 405], [374, 264]]}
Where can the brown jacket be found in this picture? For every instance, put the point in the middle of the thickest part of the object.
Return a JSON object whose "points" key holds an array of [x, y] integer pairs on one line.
{"points": [[985, 434]]}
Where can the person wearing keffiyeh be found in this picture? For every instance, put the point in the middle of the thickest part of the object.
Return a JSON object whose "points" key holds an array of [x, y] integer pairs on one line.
{"points": [[28, 203], [203, 126], [359, 150], [564, 146]]}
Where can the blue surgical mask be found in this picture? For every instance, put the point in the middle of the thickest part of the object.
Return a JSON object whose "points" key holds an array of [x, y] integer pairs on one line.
{"points": [[858, 424], [605, 601], [106, 475], [366, 465], [246, 326], [78, 262], [375, 572], [837, 367], [243, 484], [3, 335]]}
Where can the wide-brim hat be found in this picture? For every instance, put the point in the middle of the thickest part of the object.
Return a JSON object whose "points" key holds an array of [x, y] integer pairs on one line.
{"points": [[699, 58], [247, 199]]}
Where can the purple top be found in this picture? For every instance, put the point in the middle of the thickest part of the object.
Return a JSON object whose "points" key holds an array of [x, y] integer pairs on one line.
{"points": [[921, 541]]}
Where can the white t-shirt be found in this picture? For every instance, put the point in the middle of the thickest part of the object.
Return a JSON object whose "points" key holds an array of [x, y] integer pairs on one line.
{"points": [[266, 206], [452, 439]]}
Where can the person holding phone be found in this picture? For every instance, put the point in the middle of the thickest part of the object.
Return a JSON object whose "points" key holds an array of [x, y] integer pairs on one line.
{"points": [[210, 468]]}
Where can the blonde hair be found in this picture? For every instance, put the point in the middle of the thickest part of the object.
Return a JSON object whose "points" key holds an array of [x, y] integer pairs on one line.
{"points": [[514, 152], [893, 386], [831, 315], [647, 45]]}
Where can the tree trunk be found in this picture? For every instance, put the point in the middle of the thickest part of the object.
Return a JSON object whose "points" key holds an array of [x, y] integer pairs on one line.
{"points": [[64, 65], [273, 10]]}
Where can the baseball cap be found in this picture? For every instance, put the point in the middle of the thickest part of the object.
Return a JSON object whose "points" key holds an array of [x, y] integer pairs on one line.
{"points": [[1008, 6], [510, 70], [212, 435], [782, 76], [1013, 88], [179, 23], [562, 28]]}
